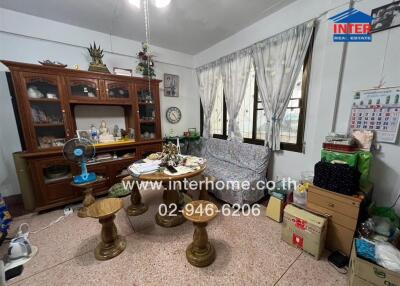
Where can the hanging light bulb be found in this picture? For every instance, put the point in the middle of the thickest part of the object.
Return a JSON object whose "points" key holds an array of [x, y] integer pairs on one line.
{"points": [[135, 3], [161, 3]]}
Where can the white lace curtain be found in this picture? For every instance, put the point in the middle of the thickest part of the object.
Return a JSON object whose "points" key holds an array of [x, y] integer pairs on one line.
{"points": [[278, 62], [209, 81], [235, 72]]}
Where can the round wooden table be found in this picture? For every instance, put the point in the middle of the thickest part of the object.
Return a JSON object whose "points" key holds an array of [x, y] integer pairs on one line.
{"points": [[172, 196]]}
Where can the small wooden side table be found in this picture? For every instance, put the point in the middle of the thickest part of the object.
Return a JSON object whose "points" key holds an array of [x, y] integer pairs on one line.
{"points": [[111, 243], [200, 252], [87, 189]]}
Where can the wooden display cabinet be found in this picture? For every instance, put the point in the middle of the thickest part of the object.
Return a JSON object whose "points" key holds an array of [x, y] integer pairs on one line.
{"points": [[46, 99]]}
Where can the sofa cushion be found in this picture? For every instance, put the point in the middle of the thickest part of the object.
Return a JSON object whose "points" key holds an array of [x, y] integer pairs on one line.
{"points": [[249, 156], [226, 171]]}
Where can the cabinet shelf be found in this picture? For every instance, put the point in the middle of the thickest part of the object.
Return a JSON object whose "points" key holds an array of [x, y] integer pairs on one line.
{"points": [[44, 100], [146, 103], [147, 121], [57, 180], [48, 124]]}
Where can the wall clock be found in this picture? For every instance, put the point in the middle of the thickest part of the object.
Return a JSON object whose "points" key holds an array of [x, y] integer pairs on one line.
{"points": [[174, 115]]}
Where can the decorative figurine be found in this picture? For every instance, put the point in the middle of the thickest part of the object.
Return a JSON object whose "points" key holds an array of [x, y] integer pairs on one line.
{"points": [[170, 155], [103, 129], [124, 134], [34, 92], [96, 64], [104, 133], [93, 133], [131, 133], [116, 132]]}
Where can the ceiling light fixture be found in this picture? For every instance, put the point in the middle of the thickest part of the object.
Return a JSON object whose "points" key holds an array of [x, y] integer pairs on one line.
{"points": [[135, 3], [161, 3]]}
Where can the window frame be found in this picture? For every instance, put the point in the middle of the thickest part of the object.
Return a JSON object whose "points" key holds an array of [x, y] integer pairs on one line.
{"points": [[294, 147]]}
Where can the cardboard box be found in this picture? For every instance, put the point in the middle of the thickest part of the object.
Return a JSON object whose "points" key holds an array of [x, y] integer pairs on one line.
{"points": [[304, 229], [364, 272], [274, 209]]}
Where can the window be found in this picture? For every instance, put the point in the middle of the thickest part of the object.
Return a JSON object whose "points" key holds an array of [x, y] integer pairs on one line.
{"points": [[252, 120], [217, 116]]}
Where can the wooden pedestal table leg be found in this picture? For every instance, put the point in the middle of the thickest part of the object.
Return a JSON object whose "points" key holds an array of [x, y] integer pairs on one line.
{"points": [[137, 207], [111, 243], [88, 199], [170, 214], [200, 252]]}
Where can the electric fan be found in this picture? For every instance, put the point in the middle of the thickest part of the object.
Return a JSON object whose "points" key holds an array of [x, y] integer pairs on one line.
{"points": [[80, 151]]}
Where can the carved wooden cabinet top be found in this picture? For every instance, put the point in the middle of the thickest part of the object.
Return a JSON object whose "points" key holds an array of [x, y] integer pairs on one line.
{"points": [[46, 97]]}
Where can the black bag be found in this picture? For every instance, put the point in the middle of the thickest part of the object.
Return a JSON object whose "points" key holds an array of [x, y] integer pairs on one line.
{"points": [[339, 178]]}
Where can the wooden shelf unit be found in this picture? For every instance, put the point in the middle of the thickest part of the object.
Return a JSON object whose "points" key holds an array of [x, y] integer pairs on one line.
{"points": [[58, 91]]}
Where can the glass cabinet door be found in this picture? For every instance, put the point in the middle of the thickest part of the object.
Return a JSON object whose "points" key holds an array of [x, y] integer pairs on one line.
{"points": [[117, 90], [83, 88], [46, 111], [147, 112]]}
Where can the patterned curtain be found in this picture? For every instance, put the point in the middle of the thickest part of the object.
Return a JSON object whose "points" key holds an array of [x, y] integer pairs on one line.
{"points": [[209, 80], [278, 61], [235, 70]]}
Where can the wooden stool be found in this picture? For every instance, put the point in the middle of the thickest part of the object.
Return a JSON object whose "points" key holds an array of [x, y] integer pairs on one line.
{"points": [[87, 189], [200, 252], [111, 243]]}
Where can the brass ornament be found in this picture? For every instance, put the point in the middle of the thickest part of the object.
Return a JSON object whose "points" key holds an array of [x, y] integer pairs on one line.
{"points": [[96, 65]]}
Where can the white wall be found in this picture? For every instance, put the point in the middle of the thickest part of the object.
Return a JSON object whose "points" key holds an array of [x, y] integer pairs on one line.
{"points": [[363, 69], [26, 38]]}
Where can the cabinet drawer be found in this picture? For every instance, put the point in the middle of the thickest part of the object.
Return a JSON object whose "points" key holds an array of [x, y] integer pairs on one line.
{"points": [[334, 217], [339, 238], [334, 205], [59, 192]]}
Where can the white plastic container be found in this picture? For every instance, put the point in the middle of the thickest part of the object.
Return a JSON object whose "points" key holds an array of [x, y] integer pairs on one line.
{"points": [[300, 196]]}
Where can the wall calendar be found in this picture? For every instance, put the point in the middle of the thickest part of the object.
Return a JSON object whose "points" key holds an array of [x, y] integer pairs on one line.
{"points": [[377, 110]]}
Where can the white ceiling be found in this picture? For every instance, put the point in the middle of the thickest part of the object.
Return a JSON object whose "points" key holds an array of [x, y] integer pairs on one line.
{"points": [[188, 26]]}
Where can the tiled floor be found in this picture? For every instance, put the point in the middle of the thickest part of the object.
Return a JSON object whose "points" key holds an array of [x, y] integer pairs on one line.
{"points": [[249, 252]]}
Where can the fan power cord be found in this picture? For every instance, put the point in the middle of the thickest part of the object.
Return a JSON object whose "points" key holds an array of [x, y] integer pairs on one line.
{"points": [[67, 212]]}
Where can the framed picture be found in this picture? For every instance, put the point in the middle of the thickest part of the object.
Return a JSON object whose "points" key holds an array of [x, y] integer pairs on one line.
{"points": [[171, 85], [385, 17], [84, 134], [121, 71]]}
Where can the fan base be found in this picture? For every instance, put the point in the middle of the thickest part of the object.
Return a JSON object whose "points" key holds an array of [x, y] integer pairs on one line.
{"points": [[91, 177]]}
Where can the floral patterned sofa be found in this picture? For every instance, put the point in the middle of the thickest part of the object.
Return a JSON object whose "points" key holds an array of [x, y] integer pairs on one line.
{"points": [[233, 161]]}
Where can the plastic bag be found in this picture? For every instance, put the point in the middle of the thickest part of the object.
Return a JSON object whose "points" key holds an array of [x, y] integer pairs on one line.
{"points": [[387, 256], [300, 195], [389, 213], [363, 166], [350, 159]]}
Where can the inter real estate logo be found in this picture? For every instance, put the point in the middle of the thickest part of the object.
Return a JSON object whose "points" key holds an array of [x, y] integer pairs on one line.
{"points": [[352, 26]]}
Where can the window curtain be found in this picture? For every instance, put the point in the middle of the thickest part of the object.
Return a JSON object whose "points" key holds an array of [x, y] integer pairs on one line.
{"points": [[209, 81], [235, 70], [278, 62]]}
